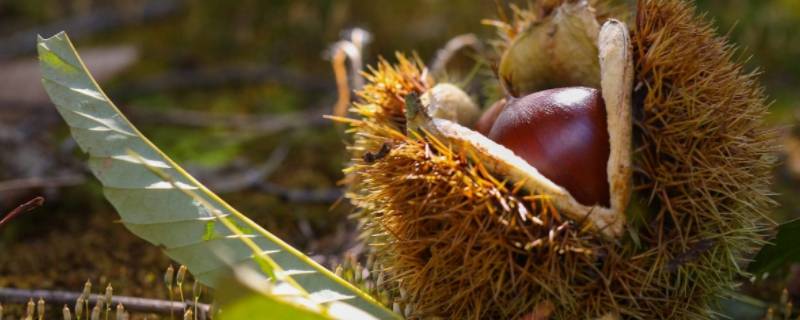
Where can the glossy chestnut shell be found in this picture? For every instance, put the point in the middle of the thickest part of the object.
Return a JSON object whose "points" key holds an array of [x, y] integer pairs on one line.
{"points": [[562, 133]]}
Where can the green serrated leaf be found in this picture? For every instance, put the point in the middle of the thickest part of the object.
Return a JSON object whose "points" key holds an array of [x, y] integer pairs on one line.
{"points": [[160, 210], [211, 231], [247, 296], [785, 248], [258, 306]]}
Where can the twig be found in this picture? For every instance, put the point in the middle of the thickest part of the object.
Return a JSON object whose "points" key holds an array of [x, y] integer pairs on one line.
{"points": [[258, 124], [342, 88], [23, 208], [329, 195], [458, 43], [255, 179], [38, 182], [351, 48], [356, 39], [250, 177], [229, 76], [24, 42], [130, 303]]}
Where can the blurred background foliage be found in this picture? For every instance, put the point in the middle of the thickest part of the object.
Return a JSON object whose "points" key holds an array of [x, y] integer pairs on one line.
{"points": [[221, 85]]}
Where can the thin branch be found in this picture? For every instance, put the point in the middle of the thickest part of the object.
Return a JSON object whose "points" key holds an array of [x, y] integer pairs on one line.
{"points": [[257, 124], [39, 182], [254, 178], [350, 48], [324, 196], [102, 19], [453, 46], [360, 38], [227, 76], [261, 124], [247, 178], [343, 89], [353, 43], [130, 303], [23, 208]]}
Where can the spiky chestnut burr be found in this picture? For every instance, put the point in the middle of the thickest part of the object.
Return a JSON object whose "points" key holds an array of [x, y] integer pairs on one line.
{"points": [[463, 235]]}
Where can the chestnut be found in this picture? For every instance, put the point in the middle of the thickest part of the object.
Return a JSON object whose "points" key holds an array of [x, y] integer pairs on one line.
{"points": [[562, 133]]}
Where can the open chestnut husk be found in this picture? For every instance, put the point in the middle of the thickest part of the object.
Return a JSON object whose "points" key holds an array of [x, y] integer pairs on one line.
{"points": [[604, 211], [460, 226]]}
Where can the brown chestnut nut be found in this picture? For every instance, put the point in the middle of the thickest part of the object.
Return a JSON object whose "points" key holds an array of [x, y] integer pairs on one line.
{"points": [[563, 134]]}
